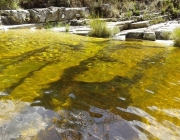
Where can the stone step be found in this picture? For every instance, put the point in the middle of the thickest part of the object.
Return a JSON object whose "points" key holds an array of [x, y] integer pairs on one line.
{"points": [[22, 26]]}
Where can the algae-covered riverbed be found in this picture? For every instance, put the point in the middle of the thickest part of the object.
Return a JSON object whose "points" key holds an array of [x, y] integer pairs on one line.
{"points": [[66, 87]]}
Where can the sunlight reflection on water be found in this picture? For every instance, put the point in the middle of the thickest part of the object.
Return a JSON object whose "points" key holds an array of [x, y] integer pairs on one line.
{"points": [[157, 129], [20, 120]]}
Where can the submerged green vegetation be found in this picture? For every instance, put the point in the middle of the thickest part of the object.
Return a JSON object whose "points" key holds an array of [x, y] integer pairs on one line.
{"points": [[129, 84]]}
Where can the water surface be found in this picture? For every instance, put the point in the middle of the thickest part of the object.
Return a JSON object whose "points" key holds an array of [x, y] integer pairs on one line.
{"points": [[61, 86]]}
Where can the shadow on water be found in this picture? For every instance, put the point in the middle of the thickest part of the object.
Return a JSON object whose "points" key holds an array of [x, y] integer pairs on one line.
{"points": [[105, 95], [15, 85], [80, 97], [17, 59]]}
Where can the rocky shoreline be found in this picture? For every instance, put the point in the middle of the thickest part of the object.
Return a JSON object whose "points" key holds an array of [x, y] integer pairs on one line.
{"points": [[135, 28]]}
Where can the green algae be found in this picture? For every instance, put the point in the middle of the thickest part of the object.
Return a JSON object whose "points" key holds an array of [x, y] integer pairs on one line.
{"points": [[50, 67], [28, 59], [30, 64]]}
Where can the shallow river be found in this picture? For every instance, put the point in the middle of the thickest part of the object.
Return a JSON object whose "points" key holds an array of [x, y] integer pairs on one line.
{"points": [[56, 86]]}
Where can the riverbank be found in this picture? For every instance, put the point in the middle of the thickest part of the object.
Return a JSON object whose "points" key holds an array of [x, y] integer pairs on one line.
{"points": [[160, 31]]}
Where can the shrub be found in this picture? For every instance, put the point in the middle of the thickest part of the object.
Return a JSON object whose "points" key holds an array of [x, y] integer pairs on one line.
{"points": [[67, 27], [163, 11], [99, 29], [48, 25], [176, 37], [166, 35], [175, 13], [157, 20], [136, 13], [9, 4], [128, 14]]}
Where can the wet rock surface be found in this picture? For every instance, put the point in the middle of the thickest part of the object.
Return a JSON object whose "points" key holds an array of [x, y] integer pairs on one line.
{"points": [[19, 119]]}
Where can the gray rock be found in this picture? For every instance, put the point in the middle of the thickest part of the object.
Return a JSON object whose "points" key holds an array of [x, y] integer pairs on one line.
{"points": [[137, 18], [76, 22], [5, 20], [70, 13], [55, 14], [149, 36], [124, 25], [15, 16], [141, 24], [107, 10], [135, 35], [72, 96], [39, 15], [78, 16]]}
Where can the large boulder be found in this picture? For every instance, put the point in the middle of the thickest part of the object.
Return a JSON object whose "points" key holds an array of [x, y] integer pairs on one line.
{"points": [[39, 15], [70, 13], [42, 15], [15, 16], [142, 24], [55, 14]]}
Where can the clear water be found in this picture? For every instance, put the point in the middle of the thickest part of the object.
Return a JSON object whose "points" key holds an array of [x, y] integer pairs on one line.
{"points": [[66, 87]]}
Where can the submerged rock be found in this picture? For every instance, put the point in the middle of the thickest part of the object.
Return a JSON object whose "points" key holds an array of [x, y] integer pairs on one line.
{"points": [[72, 96], [19, 119]]}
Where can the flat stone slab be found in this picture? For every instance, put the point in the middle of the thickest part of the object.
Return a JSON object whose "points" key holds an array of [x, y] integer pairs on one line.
{"points": [[22, 26], [141, 24], [141, 35], [150, 35], [79, 30], [135, 35], [161, 31]]}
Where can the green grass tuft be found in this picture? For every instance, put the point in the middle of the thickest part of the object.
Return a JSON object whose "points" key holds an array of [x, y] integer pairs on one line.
{"points": [[99, 28], [176, 37]]}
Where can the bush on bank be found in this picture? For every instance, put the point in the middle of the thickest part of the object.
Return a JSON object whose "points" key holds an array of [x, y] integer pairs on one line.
{"points": [[99, 28], [176, 37], [9, 4]]}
